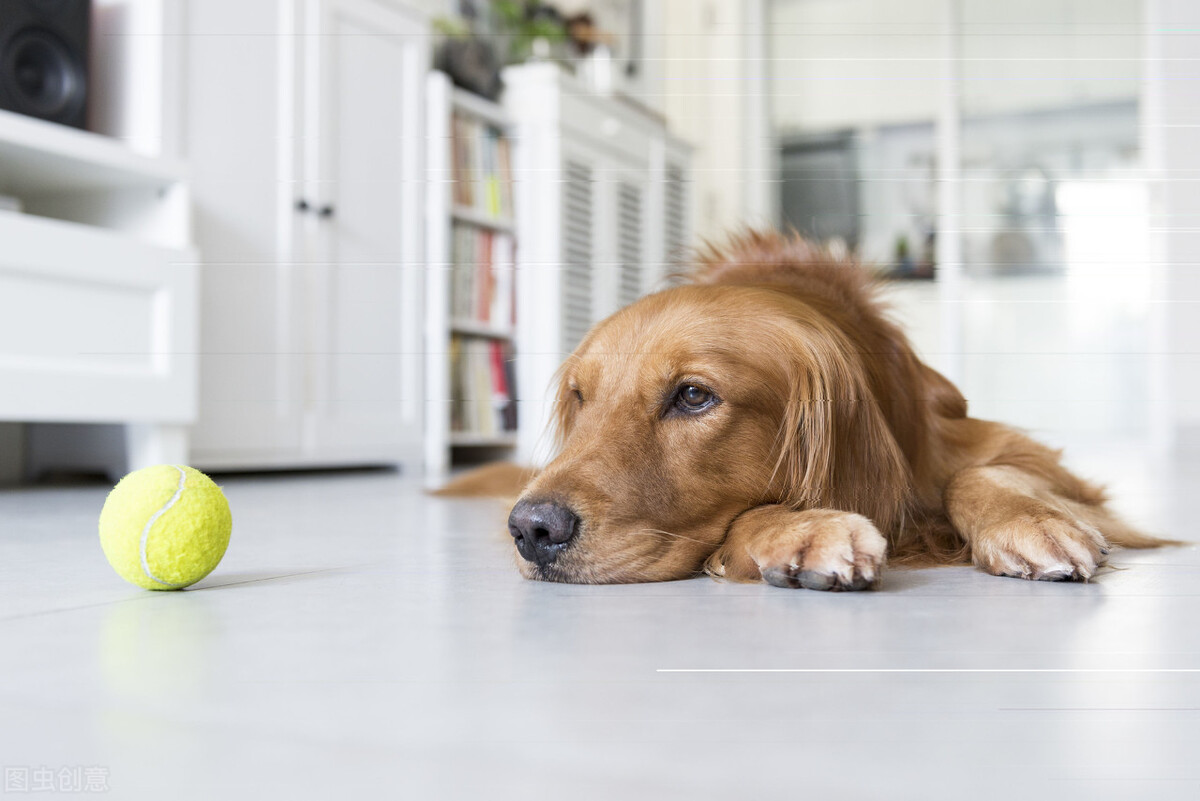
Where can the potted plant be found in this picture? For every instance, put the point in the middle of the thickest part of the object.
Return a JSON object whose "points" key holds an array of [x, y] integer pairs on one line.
{"points": [[490, 35]]}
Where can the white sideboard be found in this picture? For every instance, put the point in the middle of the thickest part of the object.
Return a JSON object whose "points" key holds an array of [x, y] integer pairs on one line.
{"points": [[97, 299]]}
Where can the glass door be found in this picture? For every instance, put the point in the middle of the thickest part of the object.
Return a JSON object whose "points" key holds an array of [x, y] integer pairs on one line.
{"points": [[1053, 216], [1003, 140]]}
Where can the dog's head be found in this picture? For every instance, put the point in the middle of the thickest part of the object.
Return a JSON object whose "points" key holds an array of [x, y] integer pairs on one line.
{"points": [[693, 405]]}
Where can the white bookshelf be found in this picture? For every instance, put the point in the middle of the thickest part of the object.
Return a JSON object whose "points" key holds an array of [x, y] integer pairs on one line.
{"points": [[445, 446], [465, 214], [466, 327]]}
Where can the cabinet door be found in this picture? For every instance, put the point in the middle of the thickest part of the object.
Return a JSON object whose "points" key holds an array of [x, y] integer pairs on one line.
{"points": [[666, 224], [239, 65], [620, 259], [604, 208], [365, 163], [577, 286], [630, 237], [674, 215]]}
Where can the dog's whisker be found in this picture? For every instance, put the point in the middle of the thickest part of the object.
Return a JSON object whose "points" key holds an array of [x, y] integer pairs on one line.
{"points": [[629, 562], [669, 534], [632, 570]]}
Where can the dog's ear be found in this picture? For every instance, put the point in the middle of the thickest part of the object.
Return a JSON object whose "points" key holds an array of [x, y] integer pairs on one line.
{"points": [[836, 449], [942, 396], [566, 406]]}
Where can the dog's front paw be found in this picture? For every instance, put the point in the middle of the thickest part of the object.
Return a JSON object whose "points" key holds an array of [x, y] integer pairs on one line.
{"points": [[1041, 547], [821, 550]]}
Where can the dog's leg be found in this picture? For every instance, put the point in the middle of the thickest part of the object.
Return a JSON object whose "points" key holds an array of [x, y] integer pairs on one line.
{"points": [[1018, 524], [819, 549]]}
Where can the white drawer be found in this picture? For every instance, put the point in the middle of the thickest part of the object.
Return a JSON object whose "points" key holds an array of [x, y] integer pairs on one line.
{"points": [[95, 326]]}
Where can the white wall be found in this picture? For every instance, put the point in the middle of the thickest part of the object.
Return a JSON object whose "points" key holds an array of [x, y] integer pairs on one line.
{"points": [[1171, 122], [849, 63], [1025, 55], [852, 63], [709, 87]]}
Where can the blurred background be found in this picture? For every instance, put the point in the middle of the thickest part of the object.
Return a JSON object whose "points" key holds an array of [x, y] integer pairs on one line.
{"points": [[990, 156], [285, 234]]}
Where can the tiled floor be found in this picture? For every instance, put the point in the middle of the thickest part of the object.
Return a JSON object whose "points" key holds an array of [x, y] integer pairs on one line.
{"points": [[362, 640]]}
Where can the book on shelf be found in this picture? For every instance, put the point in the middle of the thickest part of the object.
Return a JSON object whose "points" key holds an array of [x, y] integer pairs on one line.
{"points": [[483, 396], [482, 262], [482, 167]]}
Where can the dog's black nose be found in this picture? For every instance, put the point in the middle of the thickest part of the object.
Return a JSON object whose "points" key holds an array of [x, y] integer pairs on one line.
{"points": [[542, 530]]}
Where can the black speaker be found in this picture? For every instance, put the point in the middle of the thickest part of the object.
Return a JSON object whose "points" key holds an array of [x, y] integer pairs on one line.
{"points": [[44, 58]]}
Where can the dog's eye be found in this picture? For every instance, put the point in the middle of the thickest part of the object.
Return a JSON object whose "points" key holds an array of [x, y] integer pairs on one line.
{"points": [[578, 396], [693, 398]]}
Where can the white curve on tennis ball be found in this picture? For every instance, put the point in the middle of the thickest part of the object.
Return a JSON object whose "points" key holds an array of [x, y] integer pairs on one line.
{"points": [[150, 524]]}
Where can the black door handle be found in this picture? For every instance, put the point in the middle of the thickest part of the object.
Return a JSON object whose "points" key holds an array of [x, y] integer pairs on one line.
{"points": [[303, 206]]}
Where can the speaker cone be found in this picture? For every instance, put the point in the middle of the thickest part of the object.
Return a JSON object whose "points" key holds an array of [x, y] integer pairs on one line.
{"points": [[42, 76]]}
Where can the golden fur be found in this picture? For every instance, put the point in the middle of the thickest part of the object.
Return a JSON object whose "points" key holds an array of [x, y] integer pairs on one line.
{"points": [[499, 479], [829, 444]]}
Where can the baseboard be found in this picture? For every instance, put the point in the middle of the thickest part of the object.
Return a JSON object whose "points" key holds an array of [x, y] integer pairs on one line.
{"points": [[12, 454], [75, 448]]}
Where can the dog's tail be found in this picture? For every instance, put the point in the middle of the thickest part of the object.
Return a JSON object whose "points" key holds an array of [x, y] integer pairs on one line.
{"points": [[496, 480]]}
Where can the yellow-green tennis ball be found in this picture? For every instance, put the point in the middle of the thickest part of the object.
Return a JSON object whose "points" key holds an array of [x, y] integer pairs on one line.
{"points": [[165, 527]]}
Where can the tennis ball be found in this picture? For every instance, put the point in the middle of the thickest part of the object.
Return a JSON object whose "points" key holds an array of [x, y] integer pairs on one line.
{"points": [[165, 527]]}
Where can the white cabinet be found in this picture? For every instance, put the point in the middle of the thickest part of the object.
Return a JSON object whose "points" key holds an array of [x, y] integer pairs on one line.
{"points": [[601, 217], [309, 220], [365, 393], [97, 299], [240, 124]]}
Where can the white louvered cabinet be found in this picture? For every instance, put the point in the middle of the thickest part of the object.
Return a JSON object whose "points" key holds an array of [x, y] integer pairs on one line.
{"points": [[601, 216], [578, 249], [631, 257]]}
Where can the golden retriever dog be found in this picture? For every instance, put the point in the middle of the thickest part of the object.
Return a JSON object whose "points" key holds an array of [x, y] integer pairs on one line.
{"points": [[766, 421]]}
